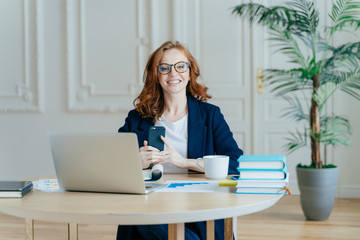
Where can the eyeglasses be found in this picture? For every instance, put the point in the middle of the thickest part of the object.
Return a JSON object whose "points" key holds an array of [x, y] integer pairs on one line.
{"points": [[180, 67]]}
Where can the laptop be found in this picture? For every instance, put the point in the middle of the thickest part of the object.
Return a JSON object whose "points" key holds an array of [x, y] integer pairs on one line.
{"points": [[99, 162]]}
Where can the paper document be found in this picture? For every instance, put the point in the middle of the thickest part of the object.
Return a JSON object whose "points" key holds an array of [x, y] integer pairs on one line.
{"points": [[47, 185], [190, 186]]}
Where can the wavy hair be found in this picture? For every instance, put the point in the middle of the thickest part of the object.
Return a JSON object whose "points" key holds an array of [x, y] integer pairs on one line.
{"points": [[150, 102]]}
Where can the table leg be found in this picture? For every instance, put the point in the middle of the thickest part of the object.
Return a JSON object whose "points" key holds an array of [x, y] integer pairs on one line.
{"points": [[176, 231], [72, 231], [210, 230], [228, 229], [29, 229]]}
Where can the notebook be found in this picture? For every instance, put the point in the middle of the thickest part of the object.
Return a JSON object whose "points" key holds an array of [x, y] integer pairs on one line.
{"points": [[99, 162]]}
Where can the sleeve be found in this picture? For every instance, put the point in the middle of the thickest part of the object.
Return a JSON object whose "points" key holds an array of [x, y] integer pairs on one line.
{"points": [[132, 124], [224, 142], [127, 126]]}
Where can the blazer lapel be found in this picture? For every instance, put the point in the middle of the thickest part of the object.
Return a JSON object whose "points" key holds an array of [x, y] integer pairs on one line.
{"points": [[196, 129]]}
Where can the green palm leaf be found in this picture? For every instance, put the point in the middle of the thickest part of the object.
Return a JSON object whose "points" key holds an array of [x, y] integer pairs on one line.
{"points": [[345, 13], [295, 141], [309, 15], [303, 18], [286, 81], [349, 51], [348, 82], [323, 94], [351, 84], [289, 46], [335, 130], [295, 111]]}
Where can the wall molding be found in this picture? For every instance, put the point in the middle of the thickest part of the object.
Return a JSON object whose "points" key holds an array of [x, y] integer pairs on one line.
{"points": [[233, 88], [84, 96], [27, 94]]}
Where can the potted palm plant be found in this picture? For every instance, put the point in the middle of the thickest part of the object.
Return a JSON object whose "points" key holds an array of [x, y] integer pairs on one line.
{"points": [[317, 70]]}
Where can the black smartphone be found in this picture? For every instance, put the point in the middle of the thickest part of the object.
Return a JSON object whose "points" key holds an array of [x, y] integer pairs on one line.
{"points": [[154, 137]]}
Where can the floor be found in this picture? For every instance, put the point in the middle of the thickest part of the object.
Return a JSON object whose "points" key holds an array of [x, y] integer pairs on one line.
{"points": [[284, 220]]}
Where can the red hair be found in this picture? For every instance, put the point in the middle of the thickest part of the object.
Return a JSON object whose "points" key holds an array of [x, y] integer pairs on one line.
{"points": [[150, 102]]}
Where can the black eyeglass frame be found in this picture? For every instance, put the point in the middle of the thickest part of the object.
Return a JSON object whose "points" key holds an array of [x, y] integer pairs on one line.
{"points": [[170, 65]]}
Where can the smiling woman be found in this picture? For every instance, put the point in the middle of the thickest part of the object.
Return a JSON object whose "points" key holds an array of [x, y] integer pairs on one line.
{"points": [[173, 82], [150, 102], [172, 98]]}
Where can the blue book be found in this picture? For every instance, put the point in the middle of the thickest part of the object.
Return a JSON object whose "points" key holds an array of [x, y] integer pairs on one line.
{"points": [[262, 174], [262, 162]]}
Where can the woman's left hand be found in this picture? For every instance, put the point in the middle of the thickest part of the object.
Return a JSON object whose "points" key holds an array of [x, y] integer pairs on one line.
{"points": [[170, 155]]}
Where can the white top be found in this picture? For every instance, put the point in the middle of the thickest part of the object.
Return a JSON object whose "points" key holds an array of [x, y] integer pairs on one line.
{"points": [[177, 135]]}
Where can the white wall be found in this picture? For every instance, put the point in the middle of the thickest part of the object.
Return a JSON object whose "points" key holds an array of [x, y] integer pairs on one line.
{"points": [[77, 65], [25, 123]]}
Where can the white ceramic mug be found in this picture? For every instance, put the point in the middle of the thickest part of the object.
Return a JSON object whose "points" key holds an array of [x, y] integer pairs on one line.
{"points": [[216, 166]]}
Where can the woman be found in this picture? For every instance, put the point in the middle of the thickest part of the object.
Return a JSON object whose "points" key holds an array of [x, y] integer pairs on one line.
{"points": [[173, 98]]}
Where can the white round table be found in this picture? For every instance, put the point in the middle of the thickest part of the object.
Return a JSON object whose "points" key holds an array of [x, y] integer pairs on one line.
{"points": [[175, 208]]}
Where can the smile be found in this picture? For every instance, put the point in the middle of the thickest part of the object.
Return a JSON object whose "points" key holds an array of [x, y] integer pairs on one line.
{"points": [[173, 81]]}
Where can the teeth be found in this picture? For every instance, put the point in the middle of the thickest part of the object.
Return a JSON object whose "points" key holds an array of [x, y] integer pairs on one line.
{"points": [[174, 81]]}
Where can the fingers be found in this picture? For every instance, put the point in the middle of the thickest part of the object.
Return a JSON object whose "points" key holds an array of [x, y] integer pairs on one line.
{"points": [[165, 156], [168, 145], [151, 155], [156, 157], [148, 149]]}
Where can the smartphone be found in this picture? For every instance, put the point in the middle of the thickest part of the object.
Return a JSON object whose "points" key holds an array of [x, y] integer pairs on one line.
{"points": [[154, 137]]}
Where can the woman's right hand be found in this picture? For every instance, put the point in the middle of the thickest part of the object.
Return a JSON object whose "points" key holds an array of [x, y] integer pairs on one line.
{"points": [[149, 155]]}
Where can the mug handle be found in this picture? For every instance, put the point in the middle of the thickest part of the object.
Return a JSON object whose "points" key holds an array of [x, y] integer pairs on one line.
{"points": [[197, 163]]}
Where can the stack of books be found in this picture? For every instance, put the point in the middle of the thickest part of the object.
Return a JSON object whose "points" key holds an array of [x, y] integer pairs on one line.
{"points": [[262, 174], [14, 189]]}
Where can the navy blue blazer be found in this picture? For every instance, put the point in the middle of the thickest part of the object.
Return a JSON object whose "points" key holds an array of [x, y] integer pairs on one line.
{"points": [[208, 132]]}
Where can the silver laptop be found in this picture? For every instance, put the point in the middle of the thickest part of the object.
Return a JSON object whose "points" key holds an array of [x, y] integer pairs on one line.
{"points": [[99, 162]]}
